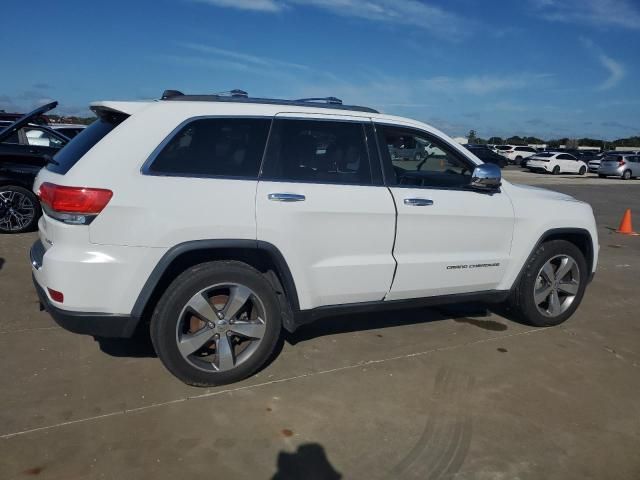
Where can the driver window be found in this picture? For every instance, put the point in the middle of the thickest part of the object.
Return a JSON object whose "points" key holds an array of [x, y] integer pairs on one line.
{"points": [[417, 159]]}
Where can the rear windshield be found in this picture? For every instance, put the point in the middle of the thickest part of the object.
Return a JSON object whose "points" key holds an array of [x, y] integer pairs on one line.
{"points": [[544, 155], [612, 158], [69, 155], [503, 147]]}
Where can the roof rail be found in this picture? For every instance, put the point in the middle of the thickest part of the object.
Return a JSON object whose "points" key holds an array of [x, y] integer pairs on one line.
{"points": [[329, 100], [240, 96]]}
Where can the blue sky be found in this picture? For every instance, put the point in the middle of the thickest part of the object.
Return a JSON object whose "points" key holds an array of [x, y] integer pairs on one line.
{"points": [[549, 68]]}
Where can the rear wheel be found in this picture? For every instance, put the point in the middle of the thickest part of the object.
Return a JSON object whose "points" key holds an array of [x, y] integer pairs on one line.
{"points": [[556, 170], [601, 175], [582, 170], [552, 284], [626, 175], [518, 160], [217, 323], [19, 209]]}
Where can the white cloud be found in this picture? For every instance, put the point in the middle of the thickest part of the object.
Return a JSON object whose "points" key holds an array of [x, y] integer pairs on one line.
{"points": [[241, 57], [484, 84], [615, 69], [615, 13], [412, 13], [256, 5], [616, 72]]}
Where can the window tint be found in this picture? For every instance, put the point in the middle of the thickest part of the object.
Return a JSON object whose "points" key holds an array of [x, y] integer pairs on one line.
{"points": [[418, 159], [81, 144], [317, 151], [230, 147], [566, 156]]}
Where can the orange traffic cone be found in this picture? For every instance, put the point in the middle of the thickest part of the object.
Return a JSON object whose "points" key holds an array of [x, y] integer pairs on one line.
{"points": [[625, 225]]}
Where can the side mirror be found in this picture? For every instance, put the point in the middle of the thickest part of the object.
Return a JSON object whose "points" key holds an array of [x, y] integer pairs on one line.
{"points": [[486, 177]]}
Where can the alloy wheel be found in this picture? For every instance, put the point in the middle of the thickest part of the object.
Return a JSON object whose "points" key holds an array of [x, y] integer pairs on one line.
{"points": [[16, 210], [556, 285], [221, 327]]}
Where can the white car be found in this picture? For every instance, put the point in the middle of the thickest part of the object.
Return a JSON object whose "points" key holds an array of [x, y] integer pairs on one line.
{"points": [[556, 163], [219, 221], [516, 153]]}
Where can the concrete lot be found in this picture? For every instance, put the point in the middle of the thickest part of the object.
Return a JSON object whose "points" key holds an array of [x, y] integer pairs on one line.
{"points": [[427, 394]]}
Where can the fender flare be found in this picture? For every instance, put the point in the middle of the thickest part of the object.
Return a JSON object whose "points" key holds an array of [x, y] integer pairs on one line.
{"points": [[253, 246], [589, 257]]}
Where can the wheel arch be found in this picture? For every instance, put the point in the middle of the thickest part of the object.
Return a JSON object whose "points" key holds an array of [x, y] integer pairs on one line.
{"points": [[580, 237], [263, 256]]}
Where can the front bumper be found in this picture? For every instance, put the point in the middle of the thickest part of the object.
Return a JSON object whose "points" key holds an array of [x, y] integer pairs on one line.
{"points": [[87, 323]]}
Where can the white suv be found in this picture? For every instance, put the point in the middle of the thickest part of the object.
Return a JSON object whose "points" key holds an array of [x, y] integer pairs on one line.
{"points": [[516, 154], [217, 221]]}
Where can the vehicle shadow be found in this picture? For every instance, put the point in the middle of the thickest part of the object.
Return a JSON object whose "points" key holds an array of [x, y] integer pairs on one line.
{"points": [[309, 461], [1, 263], [140, 346], [469, 313]]}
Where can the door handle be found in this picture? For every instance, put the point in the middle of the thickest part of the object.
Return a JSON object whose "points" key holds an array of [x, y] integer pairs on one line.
{"points": [[286, 197], [418, 202]]}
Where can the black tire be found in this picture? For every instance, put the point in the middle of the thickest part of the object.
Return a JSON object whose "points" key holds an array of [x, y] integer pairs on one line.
{"points": [[556, 170], [626, 175], [601, 175], [522, 301], [166, 316], [7, 221], [518, 160], [582, 171]]}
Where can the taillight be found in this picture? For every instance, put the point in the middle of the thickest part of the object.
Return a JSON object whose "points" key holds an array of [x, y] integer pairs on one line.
{"points": [[621, 163], [77, 205]]}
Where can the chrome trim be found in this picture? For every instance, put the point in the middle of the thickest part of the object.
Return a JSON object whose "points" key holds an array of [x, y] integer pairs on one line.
{"points": [[418, 202], [286, 197], [486, 177]]}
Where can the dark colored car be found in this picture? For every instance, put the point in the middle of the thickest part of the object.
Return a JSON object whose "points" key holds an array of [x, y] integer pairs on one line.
{"points": [[25, 148], [487, 155]]}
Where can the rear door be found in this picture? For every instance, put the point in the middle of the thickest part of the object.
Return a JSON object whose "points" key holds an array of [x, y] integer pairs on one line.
{"points": [[321, 201], [450, 239]]}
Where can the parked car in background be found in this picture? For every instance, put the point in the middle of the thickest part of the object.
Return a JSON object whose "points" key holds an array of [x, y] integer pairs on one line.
{"points": [[24, 149], [625, 166], [484, 153], [556, 163], [69, 130], [516, 153], [121, 244]]}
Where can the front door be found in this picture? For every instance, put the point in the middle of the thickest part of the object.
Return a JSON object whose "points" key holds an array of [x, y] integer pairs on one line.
{"points": [[450, 238]]}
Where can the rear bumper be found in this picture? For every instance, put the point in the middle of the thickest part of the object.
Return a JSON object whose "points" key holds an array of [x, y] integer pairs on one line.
{"points": [[96, 324], [617, 172], [88, 323]]}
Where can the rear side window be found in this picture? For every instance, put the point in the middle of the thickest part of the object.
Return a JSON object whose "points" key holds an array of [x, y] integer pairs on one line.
{"points": [[317, 151], [214, 147], [68, 156]]}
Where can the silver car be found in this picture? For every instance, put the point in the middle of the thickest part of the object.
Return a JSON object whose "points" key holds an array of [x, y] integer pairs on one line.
{"points": [[623, 165]]}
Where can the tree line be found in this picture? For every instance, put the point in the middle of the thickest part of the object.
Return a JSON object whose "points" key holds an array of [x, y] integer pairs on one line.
{"points": [[633, 141]]}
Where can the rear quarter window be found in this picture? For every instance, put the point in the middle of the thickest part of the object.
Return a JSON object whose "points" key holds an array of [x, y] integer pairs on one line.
{"points": [[69, 155], [214, 147]]}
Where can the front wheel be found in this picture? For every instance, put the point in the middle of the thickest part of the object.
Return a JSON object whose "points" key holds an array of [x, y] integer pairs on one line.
{"points": [[19, 209], [582, 170], [217, 323], [552, 284], [601, 175]]}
